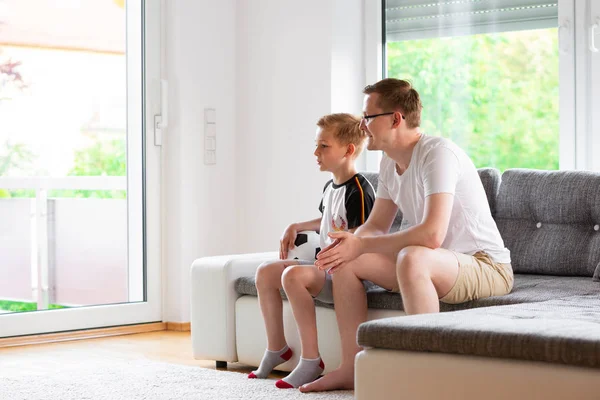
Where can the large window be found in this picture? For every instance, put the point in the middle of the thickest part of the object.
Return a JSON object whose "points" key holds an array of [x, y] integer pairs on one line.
{"points": [[501, 78], [78, 168]]}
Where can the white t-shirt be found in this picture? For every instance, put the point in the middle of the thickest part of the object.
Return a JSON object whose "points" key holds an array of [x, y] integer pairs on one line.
{"points": [[439, 166]]}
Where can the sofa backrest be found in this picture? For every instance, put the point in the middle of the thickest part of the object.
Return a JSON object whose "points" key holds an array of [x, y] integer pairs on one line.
{"points": [[490, 178], [550, 221]]}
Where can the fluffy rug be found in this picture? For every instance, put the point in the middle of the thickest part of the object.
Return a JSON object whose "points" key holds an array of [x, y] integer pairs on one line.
{"points": [[115, 378]]}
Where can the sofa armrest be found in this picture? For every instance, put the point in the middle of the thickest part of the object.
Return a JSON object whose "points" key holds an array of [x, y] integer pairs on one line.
{"points": [[213, 298]]}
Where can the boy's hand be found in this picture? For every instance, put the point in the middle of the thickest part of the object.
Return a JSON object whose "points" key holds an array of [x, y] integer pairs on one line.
{"points": [[345, 248], [286, 242]]}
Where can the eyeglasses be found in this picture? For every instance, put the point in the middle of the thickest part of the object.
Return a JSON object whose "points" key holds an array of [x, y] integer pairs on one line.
{"points": [[368, 117]]}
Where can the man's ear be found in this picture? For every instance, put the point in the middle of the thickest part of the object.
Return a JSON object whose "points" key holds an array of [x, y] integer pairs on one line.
{"points": [[350, 150], [397, 119]]}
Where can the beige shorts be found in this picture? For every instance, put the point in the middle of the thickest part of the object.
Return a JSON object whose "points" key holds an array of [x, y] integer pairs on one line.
{"points": [[478, 277]]}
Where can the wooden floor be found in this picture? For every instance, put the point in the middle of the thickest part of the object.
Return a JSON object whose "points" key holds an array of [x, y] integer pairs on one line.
{"points": [[166, 346]]}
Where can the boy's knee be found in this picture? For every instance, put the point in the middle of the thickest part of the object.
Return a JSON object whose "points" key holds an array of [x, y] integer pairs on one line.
{"points": [[267, 273], [292, 276]]}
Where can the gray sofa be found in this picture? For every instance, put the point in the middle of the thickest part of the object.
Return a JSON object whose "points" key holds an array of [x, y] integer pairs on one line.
{"points": [[540, 341]]}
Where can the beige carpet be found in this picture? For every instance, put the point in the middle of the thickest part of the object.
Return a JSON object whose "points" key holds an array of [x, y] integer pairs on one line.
{"points": [[121, 378]]}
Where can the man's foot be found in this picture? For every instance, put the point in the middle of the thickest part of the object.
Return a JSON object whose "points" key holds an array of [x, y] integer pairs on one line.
{"points": [[340, 379]]}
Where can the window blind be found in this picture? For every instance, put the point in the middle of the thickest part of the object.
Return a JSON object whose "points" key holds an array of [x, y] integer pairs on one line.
{"points": [[422, 19]]}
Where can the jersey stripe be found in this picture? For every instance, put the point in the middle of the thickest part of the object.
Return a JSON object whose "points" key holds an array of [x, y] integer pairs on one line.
{"points": [[362, 203]]}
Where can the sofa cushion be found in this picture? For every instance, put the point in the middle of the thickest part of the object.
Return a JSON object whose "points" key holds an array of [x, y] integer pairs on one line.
{"points": [[550, 221], [564, 331], [527, 289]]}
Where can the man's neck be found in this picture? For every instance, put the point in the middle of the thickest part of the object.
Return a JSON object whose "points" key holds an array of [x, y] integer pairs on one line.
{"points": [[402, 149], [343, 174]]}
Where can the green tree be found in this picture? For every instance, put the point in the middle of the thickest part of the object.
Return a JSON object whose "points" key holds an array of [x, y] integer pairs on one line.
{"points": [[14, 157], [103, 158], [495, 95]]}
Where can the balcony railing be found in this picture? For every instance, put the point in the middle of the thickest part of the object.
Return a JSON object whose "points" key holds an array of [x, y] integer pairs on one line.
{"points": [[69, 251]]}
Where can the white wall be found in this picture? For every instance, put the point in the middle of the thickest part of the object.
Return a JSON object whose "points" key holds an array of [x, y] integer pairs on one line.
{"points": [[271, 68], [347, 56], [297, 61], [199, 199], [284, 80]]}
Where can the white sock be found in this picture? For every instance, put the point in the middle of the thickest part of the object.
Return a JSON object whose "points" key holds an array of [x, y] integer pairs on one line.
{"points": [[306, 371], [270, 360]]}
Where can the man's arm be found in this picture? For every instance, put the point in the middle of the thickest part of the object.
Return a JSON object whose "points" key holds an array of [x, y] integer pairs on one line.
{"points": [[431, 232]]}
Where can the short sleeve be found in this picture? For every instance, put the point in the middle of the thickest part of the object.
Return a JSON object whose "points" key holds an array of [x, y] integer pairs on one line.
{"points": [[440, 171], [382, 187], [324, 188], [359, 205]]}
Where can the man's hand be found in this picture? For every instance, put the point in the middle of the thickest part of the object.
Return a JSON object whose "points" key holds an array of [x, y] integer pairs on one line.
{"points": [[286, 242], [345, 248]]}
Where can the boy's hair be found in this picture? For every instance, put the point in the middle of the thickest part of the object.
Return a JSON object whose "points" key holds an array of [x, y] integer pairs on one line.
{"points": [[398, 95], [345, 128]]}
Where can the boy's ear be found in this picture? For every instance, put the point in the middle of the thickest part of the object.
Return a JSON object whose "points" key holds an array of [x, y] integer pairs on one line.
{"points": [[350, 150]]}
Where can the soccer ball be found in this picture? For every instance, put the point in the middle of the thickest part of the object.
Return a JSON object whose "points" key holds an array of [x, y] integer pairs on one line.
{"points": [[306, 246]]}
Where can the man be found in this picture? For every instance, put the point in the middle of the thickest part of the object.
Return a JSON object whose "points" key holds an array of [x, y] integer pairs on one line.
{"points": [[452, 251]]}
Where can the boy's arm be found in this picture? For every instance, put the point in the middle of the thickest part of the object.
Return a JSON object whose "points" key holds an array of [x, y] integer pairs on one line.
{"points": [[286, 242], [312, 225]]}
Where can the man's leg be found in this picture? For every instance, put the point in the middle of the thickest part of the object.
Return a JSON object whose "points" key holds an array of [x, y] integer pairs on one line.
{"points": [[424, 276], [350, 302]]}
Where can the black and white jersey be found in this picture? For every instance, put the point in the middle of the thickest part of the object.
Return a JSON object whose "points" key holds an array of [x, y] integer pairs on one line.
{"points": [[345, 206]]}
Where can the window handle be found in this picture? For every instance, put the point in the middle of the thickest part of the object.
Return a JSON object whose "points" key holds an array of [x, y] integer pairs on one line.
{"points": [[593, 29]]}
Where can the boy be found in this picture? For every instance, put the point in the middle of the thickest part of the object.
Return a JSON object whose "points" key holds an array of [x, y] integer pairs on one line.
{"points": [[346, 204]]}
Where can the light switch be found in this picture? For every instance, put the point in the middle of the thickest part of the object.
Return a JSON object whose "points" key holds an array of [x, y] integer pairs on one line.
{"points": [[210, 116], [210, 130], [210, 136], [210, 157], [210, 143]]}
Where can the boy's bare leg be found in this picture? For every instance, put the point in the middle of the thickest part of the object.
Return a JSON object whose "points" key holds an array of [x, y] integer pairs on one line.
{"points": [[268, 283], [301, 283], [351, 310]]}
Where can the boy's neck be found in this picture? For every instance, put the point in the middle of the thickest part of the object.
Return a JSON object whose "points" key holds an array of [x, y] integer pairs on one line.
{"points": [[343, 174]]}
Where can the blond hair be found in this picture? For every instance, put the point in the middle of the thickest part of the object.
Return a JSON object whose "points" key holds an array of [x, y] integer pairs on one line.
{"points": [[398, 95], [345, 128]]}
